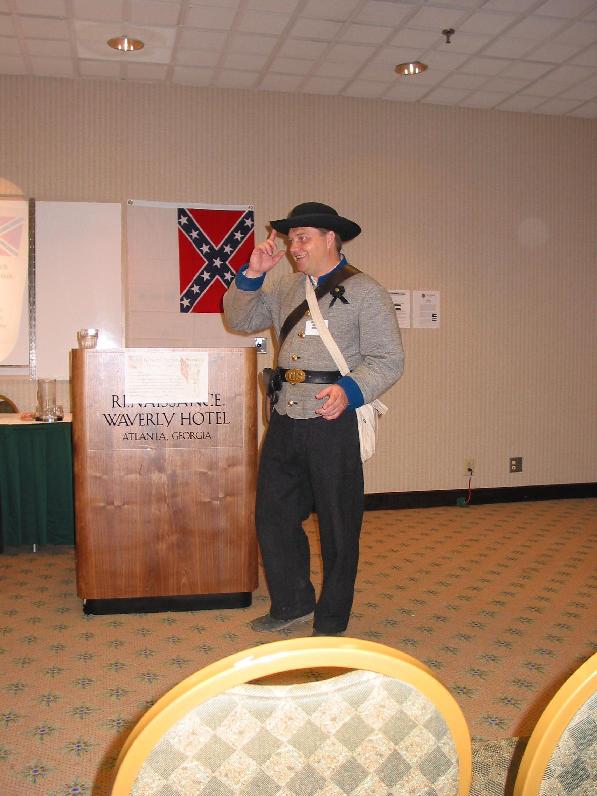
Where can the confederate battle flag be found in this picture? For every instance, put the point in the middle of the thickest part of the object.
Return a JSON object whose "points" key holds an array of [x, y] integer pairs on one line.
{"points": [[213, 243]]}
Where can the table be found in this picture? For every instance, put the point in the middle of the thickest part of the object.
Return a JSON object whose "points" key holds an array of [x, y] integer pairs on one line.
{"points": [[36, 482]]}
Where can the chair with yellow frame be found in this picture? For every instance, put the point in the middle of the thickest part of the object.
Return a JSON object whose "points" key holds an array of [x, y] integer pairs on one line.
{"points": [[382, 725], [560, 758]]}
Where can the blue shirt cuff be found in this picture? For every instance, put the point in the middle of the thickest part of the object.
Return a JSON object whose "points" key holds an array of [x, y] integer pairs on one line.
{"points": [[353, 392], [245, 283]]}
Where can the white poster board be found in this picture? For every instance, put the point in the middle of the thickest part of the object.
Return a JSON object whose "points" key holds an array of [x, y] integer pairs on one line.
{"points": [[78, 280]]}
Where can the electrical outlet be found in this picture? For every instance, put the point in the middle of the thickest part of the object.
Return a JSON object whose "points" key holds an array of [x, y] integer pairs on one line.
{"points": [[469, 466], [516, 464], [261, 345]]}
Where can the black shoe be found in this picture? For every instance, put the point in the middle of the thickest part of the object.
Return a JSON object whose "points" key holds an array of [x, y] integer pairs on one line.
{"points": [[320, 633], [269, 624]]}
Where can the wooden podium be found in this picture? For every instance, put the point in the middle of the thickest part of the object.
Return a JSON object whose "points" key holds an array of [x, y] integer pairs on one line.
{"points": [[164, 490]]}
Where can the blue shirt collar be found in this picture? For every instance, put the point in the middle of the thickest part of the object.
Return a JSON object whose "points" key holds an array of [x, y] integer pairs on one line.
{"points": [[335, 268]]}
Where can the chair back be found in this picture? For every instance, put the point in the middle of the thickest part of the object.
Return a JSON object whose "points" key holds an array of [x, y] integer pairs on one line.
{"points": [[561, 756], [6, 405], [386, 725]]}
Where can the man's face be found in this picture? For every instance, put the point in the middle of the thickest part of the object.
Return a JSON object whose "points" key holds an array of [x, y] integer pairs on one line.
{"points": [[313, 251]]}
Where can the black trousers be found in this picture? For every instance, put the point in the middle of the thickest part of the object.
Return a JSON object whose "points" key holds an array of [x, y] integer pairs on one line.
{"points": [[306, 465]]}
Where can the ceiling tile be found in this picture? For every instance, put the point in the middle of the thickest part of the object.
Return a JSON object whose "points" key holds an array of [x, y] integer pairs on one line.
{"points": [[406, 93], [544, 87], [292, 66], [7, 27], [352, 53], [277, 6], [537, 28], [298, 48], [506, 85], [553, 52], [586, 58], [153, 72], [410, 37], [516, 6], [210, 17], [43, 28], [436, 19], [467, 42], [587, 90], [396, 55], [323, 85], [563, 8], [445, 96], [482, 99], [526, 70], [49, 47], [99, 10], [383, 13], [460, 80], [444, 59], [485, 66], [12, 65], [507, 47], [251, 61], [365, 88], [233, 78], [365, 34], [9, 46], [378, 72], [53, 67], [99, 68], [49, 8], [557, 106], [520, 103], [487, 23], [587, 111], [193, 77], [252, 43], [263, 22], [273, 82], [153, 12], [317, 29], [579, 33], [219, 3], [569, 74], [197, 57], [339, 10], [335, 69], [202, 39]]}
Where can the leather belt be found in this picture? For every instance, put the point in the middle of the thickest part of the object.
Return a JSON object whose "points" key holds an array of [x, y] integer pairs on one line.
{"points": [[298, 376]]}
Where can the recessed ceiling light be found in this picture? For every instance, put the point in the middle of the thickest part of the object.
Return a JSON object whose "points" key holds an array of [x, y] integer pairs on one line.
{"points": [[411, 68], [125, 44]]}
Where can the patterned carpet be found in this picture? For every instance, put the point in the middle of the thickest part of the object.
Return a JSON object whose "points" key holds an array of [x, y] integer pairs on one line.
{"points": [[498, 600]]}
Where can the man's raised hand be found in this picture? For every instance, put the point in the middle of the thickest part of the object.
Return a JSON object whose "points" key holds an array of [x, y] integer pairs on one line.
{"points": [[264, 256]]}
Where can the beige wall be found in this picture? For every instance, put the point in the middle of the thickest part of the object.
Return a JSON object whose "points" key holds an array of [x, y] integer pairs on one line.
{"points": [[496, 210]]}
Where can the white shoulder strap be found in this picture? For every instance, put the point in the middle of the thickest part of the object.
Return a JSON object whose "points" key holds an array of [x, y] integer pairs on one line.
{"points": [[323, 330]]}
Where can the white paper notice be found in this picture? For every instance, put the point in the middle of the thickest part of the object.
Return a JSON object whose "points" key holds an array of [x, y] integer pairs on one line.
{"points": [[425, 309], [166, 377], [401, 300]]}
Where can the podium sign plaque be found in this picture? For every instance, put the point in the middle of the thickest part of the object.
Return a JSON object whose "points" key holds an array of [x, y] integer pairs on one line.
{"points": [[165, 483]]}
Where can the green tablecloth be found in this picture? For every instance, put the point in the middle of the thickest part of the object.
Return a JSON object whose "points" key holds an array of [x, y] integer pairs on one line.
{"points": [[36, 484]]}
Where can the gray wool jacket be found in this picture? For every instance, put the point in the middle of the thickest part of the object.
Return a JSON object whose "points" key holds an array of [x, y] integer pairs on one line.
{"points": [[364, 327]]}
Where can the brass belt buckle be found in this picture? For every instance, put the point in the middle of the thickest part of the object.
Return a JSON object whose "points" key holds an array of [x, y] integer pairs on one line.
{"points": [[295, 376]]}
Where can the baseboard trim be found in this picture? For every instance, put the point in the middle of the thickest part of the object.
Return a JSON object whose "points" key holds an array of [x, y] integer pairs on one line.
{"points": [[449, 497]]}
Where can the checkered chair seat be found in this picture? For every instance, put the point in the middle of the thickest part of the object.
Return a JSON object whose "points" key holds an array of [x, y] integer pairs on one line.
{"points": [[561, 755], [358, 733], [386, 726], [572, 768]]}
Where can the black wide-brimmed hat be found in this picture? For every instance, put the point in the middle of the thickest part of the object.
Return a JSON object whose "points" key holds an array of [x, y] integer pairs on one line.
{"points": [[315, 214]]}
